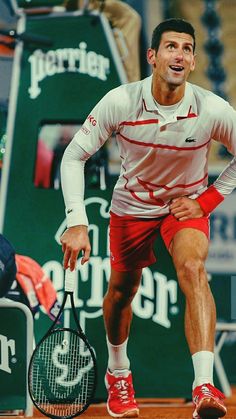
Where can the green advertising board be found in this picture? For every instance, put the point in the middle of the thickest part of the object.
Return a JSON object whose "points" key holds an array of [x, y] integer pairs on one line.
{"points": [[50, 86], [54, 89], [16, 346]]}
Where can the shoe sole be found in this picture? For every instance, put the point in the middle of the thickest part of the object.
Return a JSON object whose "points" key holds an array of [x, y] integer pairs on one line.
{"points": [[134, 413], [208, 416], [210, 409]]}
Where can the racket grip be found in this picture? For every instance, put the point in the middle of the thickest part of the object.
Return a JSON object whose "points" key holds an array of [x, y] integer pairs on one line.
{"points": [[70, 277]]}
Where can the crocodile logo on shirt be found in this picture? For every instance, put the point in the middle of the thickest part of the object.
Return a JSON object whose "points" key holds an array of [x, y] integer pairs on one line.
{"points": [[190, 140]]}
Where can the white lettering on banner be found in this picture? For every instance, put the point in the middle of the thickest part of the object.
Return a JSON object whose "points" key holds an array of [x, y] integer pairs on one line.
{"points": [[154, 299], [165, 290], [66, 60], [151, 304], [7, 350]]}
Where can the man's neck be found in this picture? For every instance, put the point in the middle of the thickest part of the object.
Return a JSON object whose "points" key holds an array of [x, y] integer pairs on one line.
{"points": [[168, 95]]}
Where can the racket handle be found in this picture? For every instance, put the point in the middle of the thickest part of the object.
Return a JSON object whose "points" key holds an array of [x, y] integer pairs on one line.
{"points": [[70, 277]]}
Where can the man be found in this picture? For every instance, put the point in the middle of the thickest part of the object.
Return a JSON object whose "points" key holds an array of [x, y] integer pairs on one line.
{"points": [[164, 127]]}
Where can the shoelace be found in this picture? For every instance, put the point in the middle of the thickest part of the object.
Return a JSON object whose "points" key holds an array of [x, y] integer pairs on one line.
{"points": [[122, 390], [209, 390]]}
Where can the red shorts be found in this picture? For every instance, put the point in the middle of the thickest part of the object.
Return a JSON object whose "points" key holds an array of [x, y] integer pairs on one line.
{"points": [[132, 238]]}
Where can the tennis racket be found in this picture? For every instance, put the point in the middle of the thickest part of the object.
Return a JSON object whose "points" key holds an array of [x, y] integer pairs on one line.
{"points": [[62, 370]]}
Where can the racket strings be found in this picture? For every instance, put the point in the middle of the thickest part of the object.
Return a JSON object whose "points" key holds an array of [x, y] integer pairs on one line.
{"points": [[62, 374]]}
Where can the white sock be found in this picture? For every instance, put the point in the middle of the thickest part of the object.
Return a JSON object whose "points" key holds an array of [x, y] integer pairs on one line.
{"points": [[117, 356], [203, 363]]}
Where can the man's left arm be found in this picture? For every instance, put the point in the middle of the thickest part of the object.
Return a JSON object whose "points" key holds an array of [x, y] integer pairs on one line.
{"points": [[224, 130]]}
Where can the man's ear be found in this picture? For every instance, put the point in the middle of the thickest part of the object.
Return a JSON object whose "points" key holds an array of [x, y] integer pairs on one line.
{"points": [[151, 56], [192, 67]]}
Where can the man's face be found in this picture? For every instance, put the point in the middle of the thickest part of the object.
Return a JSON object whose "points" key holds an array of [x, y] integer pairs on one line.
{"points": [[174, 59]]}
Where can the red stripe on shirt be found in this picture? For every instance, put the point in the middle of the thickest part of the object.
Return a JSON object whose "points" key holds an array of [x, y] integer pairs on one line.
{"points": [[168, 147], [143, 122], [167, 188], [156, 201], [190, 115]]}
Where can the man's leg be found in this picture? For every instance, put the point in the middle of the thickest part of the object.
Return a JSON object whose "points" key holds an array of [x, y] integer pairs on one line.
{"points": [[189, 250], [117, 313], [117, 309]]}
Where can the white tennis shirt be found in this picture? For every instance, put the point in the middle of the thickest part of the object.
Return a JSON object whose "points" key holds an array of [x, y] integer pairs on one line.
{"points": [[164, 155]]}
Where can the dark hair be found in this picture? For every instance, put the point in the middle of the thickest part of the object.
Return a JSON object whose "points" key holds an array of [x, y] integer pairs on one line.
{"points": [[175, 25]]}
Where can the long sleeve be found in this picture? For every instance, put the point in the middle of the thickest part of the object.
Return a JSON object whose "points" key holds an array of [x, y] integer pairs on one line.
{"points": [[72, 180], [224, 131], [97, 128], [226, 182]]}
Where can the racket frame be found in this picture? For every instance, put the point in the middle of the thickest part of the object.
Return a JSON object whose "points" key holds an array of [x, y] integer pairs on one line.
{"points": [[82, 335]]}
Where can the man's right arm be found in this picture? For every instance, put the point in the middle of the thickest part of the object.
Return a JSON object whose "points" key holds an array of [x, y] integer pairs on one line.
{"points": [[75, 239], [98, 127]]}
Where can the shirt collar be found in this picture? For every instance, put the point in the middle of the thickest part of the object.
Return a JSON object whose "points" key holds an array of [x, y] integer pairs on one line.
{"points": [[187, 109]]}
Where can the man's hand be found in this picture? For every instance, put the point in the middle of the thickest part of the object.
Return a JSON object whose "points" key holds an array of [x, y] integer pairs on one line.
{"points": [[184, 208], [73, 240]]}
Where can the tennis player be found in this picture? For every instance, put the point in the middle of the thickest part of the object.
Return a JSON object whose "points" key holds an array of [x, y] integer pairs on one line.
{"points": [[164, 127]]}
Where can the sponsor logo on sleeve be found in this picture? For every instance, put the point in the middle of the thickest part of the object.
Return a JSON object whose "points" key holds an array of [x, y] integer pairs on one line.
{"points": [[92, 120], [85, 130]]}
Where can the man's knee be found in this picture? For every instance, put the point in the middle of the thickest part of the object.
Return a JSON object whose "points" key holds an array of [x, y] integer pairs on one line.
{"points": [[121, 295], [123, 287], [191, 274]]}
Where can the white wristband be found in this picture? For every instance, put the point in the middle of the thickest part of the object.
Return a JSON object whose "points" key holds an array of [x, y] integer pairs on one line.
{"points": [[75, 216]]}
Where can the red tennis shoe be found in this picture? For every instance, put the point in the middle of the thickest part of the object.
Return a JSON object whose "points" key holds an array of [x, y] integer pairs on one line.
{"points": [[121, 402], [208, 402]]}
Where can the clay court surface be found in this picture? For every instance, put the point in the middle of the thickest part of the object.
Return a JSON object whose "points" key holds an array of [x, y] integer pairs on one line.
{"points": [[161, 409], [152, 409]]}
